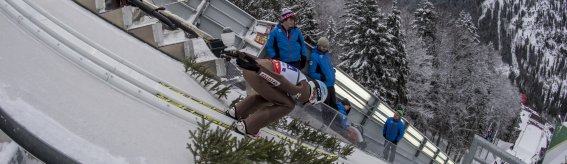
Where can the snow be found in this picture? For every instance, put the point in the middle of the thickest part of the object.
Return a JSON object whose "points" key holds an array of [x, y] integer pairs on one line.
{"points": [[61, 103], [7, 151], [532, 138], [84, 116], [126, 47], [202, 51], [171, 37], [528, 143], [528, 27], [44, 128]]}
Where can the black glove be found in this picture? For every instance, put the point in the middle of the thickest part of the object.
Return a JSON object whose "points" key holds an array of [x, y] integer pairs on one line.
{"points": [[230, 54], [248, 65], [395, 142]]}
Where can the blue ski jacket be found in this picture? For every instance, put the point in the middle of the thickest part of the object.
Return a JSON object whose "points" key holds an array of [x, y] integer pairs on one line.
{"points": [[321, 67], [288, 44], [393, 130], [343, 116]]}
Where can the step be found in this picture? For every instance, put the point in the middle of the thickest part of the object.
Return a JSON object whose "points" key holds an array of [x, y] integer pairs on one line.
{"points": [[116, 17], [176, 50], [148, 33], [198, 47]]}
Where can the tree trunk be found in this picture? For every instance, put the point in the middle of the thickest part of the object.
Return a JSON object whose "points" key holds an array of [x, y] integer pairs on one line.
{"points": [[434, 135], [438, 140], [459, 156], [447, 148]]}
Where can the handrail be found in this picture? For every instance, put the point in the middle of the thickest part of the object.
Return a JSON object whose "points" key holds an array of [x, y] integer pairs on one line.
{"points": [[479, 142], [30, 142], [380, 102]]}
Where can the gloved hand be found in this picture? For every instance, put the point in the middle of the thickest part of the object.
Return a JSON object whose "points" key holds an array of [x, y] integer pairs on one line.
{"points": [[395, 142], [248, 65]]}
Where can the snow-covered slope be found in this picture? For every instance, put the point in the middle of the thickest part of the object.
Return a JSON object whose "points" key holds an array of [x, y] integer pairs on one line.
{"points": [[78, 113], [82, 115], [534, 137], [531, 36], [65, 84]]}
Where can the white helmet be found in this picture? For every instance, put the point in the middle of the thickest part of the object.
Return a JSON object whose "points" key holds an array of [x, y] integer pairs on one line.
{"points": [[318, 91]]}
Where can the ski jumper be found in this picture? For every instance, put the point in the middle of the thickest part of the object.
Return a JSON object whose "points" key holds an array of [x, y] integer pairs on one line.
{"points": [[277, 85]]}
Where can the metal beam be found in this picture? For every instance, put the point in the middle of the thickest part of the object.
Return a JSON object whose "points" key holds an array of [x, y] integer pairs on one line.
{"points": [[30, 142], [491, 148]]}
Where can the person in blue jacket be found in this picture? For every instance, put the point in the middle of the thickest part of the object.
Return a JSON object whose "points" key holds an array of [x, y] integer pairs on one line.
{"points": [[321, 68], [285, 42], [351, 132], [393, 131], [344, 109]]}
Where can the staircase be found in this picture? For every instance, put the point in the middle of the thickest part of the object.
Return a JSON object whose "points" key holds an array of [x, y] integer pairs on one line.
{"points": [[176, 26]]}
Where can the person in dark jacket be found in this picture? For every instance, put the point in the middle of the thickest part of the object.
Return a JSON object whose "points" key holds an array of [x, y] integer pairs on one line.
{"points": [[393, 131], [321, 68], [286, 43]]}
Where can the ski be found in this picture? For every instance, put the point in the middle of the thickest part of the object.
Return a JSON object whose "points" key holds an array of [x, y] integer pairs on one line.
{"points": [[230, 126]]}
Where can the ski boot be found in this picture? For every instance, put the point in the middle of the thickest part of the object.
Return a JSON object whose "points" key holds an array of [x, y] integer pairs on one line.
{"points": [[241, 128], [231, 112]]}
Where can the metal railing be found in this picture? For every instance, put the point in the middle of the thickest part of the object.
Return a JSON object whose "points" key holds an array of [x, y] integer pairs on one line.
{"points": [[327, 120], [372, 112], [480, 149]]}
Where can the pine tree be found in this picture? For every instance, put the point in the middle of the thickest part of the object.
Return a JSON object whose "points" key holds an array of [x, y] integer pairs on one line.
{"points": [[465, 21], [463, 85], [425, 19], [420, 73], [504, 105], [398, 56], [374, 53], [364, 38], [331, 31]]}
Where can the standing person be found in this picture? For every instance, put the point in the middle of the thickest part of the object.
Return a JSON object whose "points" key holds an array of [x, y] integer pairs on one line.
{"points": [[279, 87], [393, 131], [321, 68], [344, 108], [343, 127], [285, 42]]}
